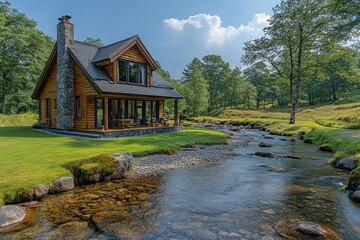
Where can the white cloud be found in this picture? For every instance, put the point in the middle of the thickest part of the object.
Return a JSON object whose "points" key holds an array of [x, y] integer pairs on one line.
{"points": [[209, 26]]}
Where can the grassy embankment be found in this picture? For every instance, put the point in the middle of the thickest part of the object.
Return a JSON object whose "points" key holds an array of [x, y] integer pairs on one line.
{"points": [[29, 157], [335, 126]]}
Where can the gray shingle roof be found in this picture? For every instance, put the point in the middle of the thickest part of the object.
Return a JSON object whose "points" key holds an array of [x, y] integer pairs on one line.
{"points": [[86, 53], [104, 52]]}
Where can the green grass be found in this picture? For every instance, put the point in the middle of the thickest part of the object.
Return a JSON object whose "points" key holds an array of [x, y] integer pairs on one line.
{"points": [[25, 119], [29, 157]]}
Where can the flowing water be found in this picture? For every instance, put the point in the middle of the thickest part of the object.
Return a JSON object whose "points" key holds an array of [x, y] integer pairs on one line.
{"points": [[245, 197]]}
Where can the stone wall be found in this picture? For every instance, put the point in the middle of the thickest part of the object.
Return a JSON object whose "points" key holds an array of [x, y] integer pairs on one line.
{"points": [[65, 77]]}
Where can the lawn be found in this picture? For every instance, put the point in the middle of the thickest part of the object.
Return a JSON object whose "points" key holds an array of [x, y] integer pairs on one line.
{"points": [[29, 157]]}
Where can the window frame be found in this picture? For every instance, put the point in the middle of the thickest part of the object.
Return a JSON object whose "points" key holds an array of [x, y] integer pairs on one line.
{"points": [[48, 108], [127, 75]]}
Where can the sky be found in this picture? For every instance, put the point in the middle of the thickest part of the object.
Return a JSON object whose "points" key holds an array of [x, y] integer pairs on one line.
{"points": [[174, 32]]}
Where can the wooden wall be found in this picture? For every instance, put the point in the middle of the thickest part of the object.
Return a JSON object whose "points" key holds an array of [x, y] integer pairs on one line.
{"points": [[133, 54], [49, 91], [83, 89], [109, 69]]}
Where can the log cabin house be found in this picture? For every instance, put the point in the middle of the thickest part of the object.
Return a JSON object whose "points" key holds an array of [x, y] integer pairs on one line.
{"points": [[84, 87]]}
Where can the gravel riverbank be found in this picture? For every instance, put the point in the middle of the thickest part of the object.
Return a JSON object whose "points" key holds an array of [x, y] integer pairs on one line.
{"points": [[200, 155]]}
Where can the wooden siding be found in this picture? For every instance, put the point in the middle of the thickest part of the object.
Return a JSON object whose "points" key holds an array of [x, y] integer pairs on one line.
{"points": [[110, 70], [82, 89], [91, 112], [133, 54], [49, 91]]}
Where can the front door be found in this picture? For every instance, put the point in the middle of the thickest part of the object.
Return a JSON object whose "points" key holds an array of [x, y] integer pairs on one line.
{"points": [[99, 113]]}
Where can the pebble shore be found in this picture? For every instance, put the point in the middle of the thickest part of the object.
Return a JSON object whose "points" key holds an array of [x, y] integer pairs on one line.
{"points": [[200, 155]]}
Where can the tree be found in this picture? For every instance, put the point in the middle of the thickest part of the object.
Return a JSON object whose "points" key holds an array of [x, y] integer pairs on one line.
{"points": [[216, 72], [195, 89], [260, 77], [94, 41], [23, 53], [297, 31]]}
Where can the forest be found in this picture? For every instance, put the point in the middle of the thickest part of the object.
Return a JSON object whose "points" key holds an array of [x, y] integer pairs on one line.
{"points": [[309, 55]]}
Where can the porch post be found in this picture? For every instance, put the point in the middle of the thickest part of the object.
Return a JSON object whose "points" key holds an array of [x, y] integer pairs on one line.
{"points": [[176, 112], [106, 113]]}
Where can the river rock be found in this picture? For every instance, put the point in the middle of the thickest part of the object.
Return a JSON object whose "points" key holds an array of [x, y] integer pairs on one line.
{"points": [[348, 163], [354, 179], [64, 184], [295, 228], [11, 214], [356, 196], [310, 228], [125, 164], [262, 144], [41, 191], [264, 154], [71, 230], [325, 148]]}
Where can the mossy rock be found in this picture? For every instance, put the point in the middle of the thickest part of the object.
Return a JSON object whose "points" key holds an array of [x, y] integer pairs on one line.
{"points": [[325, 148], [354, 179], [20, 195], [308, 140], [94, 169], [190, 145]]}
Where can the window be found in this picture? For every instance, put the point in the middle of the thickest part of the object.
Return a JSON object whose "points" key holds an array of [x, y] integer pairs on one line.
{"points": [[132, 72], [77, 107], [48, 108]]}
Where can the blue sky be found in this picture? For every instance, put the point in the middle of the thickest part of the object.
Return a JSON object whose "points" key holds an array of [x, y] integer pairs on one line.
{"points": [[173, 31]]}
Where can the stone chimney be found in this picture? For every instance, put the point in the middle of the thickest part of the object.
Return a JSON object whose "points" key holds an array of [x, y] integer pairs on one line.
{"points": [[65, 75]]}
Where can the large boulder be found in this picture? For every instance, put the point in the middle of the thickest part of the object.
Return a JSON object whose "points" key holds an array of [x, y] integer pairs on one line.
{"points": [[348, 163], [71, 230], [356, 195], [124, 165], [41, 191], [102, 168], [354, 179], [64, 184], [11, 214]]}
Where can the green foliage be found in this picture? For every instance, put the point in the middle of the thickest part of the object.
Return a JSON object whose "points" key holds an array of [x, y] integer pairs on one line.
{"points": [[29, 157], [195, 89], [102, 165], [94, 41], [23, 52]]}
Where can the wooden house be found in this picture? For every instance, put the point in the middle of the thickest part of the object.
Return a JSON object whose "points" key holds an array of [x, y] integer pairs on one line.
{"points": [[115, 87]]}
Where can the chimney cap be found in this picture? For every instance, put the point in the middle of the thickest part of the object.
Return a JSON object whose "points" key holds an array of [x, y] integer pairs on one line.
{"points": [[65, 19]]}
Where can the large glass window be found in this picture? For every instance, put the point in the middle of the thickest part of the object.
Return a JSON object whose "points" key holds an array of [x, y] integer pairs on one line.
{"points": [[131, 109], [77, 107], [48, 108], [99, 118], [122, 71], [132, 72]]}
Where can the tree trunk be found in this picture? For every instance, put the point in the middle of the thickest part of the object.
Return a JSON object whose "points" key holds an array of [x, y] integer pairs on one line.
{"points": [[3, 100], [292, 113]]}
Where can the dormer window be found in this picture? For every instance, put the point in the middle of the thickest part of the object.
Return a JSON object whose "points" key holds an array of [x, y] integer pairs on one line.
{"points": [[132, 72]]}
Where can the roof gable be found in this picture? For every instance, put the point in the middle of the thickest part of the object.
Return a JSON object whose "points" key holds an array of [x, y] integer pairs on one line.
{"points": [[113, 51]]}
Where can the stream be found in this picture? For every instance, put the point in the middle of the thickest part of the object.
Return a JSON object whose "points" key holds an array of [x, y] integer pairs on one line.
{"points": [[244, 197]]}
